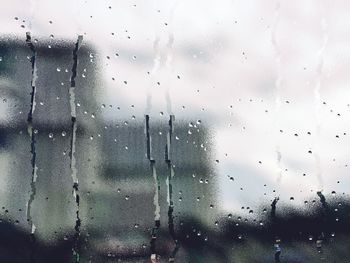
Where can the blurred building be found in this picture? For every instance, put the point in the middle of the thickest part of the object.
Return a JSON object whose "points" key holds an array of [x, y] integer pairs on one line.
{"points": [[116, 183]]}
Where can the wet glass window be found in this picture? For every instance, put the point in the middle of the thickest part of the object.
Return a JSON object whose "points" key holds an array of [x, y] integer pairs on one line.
{"points": [[174, 131]]}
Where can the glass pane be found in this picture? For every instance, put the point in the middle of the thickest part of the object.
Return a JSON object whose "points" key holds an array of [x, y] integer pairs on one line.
{"points": [[174, 131]]}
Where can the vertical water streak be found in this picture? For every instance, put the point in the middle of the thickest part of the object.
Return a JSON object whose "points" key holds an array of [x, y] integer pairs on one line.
{"points": [[277, 96], [169, 56], [156, 63], [274, 223], [325, 222], [31, 133], [278, 82], [317, 95], [277, 51], [73, 168], [170, 188], [152, 162], [279, 166]]}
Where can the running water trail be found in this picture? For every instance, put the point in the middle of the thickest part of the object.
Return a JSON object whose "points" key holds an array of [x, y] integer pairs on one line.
{"points": [[170, 188], [169, 56], [31, 133], [275, 233], [73, 148], [318, 104], [317, 97], [277, 101], [156, 62], [163, 54], [278, 83], [325, 217], [155, 67], [153, 248]]}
